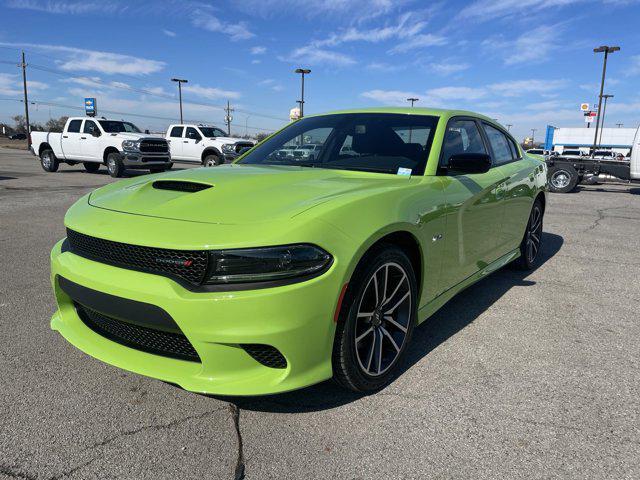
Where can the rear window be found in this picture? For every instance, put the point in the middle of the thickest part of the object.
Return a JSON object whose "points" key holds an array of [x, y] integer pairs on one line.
{"points": [[74, 126], [499, 144]]}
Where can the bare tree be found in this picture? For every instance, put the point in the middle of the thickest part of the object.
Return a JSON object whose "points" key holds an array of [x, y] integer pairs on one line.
{"points": [[55, 124]]}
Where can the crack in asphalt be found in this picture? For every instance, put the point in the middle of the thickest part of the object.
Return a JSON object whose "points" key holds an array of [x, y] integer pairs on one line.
{"points": [[235, 415], [601, 217], [163, 426], [12, 472]]}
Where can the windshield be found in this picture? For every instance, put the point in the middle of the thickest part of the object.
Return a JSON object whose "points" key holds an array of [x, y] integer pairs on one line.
{"points": [[114, 126], [370, 142], [212, 132]]}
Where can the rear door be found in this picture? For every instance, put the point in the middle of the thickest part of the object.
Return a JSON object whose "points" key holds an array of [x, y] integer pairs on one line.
{"points": [[90, 146], [474, 205], [192, 145], [71, 142], [175, 142]]}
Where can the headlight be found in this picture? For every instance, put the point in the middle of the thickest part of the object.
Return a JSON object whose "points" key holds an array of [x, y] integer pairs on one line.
{"points": [[129, 145], [267, 264], [229, 148]]}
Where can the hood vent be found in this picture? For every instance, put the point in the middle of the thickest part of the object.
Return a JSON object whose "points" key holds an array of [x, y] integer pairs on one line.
{"points": [[180, 186]]}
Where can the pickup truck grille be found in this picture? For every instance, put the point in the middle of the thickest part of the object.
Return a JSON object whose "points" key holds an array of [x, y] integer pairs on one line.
{"points": [[154, 146], [188, 265]]}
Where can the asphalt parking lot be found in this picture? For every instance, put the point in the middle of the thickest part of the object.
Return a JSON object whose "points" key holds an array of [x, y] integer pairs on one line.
{"points": [[521, 376]]}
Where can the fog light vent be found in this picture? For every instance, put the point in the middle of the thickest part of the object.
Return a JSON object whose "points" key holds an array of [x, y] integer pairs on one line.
{"points": [[266, 355]]}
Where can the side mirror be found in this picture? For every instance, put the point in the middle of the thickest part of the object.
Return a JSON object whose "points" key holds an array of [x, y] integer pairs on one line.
{"points": [[147, 132], [469, 163]]}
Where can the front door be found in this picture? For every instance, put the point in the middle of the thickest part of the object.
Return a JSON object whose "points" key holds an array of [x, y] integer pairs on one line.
{"points": [[474, 206], [191, 145], [90, 141]]}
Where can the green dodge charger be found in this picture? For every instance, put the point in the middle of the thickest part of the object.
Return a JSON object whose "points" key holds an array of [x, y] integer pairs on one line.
{"points": [[282, 270]]}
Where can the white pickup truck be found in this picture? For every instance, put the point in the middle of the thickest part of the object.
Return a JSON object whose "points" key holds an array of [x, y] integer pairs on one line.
{"points": [[204, 144], [95, 141]]}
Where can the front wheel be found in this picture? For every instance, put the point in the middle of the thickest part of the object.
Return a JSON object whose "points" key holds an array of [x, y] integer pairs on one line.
{"points": [[48, 161], [114, 165], [376, 320], [532, 240], [211, 161], [91, 167]]}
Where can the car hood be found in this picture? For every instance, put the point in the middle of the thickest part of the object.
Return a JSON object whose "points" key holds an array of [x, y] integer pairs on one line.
{"points": [[238, 194]]}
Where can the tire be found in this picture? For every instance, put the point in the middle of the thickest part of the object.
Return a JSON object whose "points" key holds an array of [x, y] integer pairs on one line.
{"points": [[212, 160], [562, 178], [48, 161], [532, 239], [91, 167], [364, 357], [114, 165]]}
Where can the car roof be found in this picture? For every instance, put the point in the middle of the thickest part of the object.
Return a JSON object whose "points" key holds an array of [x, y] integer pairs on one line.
{"points": [[436, 112]]}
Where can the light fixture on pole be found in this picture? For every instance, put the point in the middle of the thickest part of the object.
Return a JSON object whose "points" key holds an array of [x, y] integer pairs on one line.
{"points": [[509, 125], [607, 50], [180, 81], [302, 72], [412, 100]]}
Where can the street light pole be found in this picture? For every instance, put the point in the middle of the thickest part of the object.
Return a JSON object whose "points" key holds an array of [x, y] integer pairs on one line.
{"points": [[607, 50], [303, 72], [180, 81], [509, 125], [26, 100], [533, 136], [604, 111], [619, 125], [412, 100]]}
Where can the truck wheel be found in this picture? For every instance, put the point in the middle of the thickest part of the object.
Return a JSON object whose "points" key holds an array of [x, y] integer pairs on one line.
{"points": [[211, 160], [91, 167], [532, 240], [562, 178], [49, 161], [114, 165]]}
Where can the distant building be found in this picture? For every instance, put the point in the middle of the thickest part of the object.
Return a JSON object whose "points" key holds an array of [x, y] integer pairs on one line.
{"points": [[618, 140]]}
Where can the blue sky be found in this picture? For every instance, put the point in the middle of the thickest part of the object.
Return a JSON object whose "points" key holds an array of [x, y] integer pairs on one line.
{"points": [[524, 62]]}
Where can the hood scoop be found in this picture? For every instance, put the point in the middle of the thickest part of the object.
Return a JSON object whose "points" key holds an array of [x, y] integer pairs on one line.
{"points": [[180, 186]]}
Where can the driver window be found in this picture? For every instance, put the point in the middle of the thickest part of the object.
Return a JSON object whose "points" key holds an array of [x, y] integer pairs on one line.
{"points": [[462, 136], [90, 127]]}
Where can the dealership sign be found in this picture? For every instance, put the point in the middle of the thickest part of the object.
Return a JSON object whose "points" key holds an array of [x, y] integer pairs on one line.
{"points": [[90, 107]]}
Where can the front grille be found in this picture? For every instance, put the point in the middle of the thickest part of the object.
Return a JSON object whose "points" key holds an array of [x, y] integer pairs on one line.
{"points": [[155, 159], [174, 345], [180, 186], [266, 355], [188, 265], [240, 145], [154, 146]]}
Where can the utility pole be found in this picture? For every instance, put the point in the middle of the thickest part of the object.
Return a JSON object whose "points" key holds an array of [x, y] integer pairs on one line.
{"points": [[180, 81], [303, 72], [26, 100], [228, 117], [533, 136], [604, 110], [607, 50], [412, 100], [619, 125], [509, 125]]}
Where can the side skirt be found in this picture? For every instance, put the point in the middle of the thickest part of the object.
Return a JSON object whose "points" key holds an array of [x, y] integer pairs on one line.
{"points": [[437, 303]]}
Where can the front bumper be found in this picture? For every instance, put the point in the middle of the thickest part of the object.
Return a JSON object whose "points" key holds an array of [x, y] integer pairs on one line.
{"points": [[296, 319], [136, 159]]}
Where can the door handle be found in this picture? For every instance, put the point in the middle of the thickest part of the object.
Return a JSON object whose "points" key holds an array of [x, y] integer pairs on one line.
{"points": [[83, 138], [65, 136], [185, 141]]}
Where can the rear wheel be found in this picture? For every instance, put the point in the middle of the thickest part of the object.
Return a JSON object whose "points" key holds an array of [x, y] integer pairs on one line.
{"points": [[114, 165], [376, 320], [48, 161], [211, 160], [562, 178], [91, 167], [532, 240]]}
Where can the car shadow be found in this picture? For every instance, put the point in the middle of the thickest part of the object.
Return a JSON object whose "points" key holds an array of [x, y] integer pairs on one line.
{"points": [[104, 172], [596, 188], [462, 310]]}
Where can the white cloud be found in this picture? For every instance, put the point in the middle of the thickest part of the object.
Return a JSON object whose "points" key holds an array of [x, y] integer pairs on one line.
{"points": [[169, 33], [484, 10], [311, 55], [207, 21], [447, 68], [456, 93], [634, 69], [517, 88], [258, 50], [255, 61], [385, 67], [533, 46], [11, 84], [211, 93], [419, 41], [79, 59], [356, 10], [389, 97], [64, 7]]}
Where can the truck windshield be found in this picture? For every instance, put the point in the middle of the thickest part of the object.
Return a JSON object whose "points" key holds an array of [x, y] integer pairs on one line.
{"points": [[397, 144], [212, 132], [114, 126]]}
